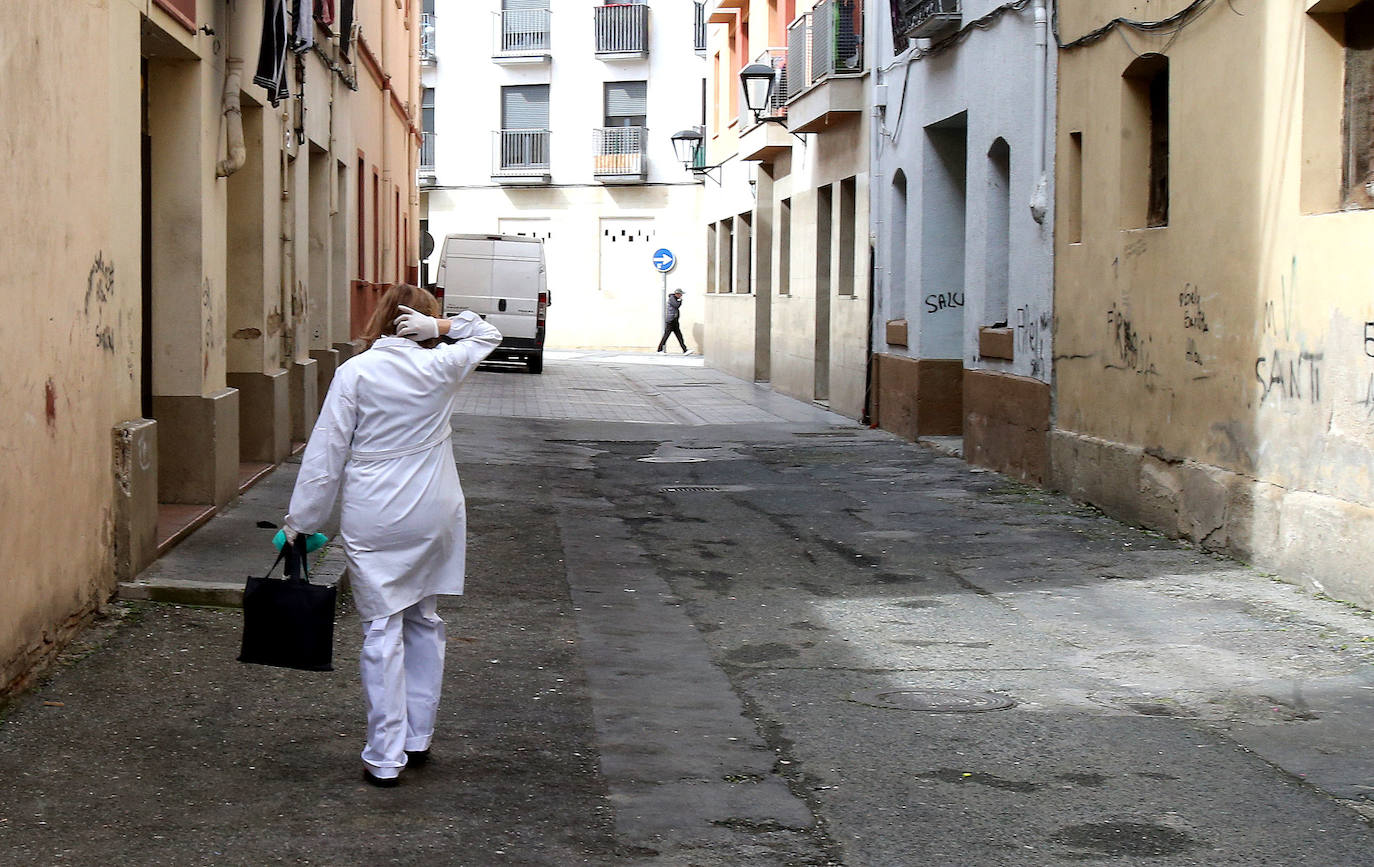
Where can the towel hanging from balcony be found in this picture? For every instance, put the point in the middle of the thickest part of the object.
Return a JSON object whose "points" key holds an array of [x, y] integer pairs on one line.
{"points": [[271, 73], [303, 17]]}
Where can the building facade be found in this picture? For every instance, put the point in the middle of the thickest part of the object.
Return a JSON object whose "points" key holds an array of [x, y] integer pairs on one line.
{"points": [[194, 188], [1214, 353], [963, 227], [553, 120], [786, 226]]}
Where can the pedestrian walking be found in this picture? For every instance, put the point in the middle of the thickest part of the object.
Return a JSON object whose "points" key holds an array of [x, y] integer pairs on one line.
{"points": [[672, 313], [383, 441]]}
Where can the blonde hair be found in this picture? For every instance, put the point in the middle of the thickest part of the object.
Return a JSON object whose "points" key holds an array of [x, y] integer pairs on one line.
{"points": [[383, 321]]}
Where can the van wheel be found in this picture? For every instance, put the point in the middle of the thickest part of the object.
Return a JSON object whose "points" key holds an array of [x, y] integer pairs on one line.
{"points": [[535, 363]]}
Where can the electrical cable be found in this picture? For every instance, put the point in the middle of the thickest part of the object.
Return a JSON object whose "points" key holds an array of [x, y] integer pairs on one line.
{"points": [[1171, 25]]}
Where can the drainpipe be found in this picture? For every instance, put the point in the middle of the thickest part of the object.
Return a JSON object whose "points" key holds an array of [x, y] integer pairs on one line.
{"points": [[236, 154], [1040, 198]]}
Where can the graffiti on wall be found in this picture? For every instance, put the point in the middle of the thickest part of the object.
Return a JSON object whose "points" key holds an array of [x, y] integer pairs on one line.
{"points": [[100, 289], [1033, 337], [212, 325], [938, 301], [1190, 302], [1131, 349], [1287, 372]]}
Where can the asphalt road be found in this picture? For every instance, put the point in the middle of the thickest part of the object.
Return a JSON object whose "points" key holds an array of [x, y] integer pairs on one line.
{"points": [[690, 641]]}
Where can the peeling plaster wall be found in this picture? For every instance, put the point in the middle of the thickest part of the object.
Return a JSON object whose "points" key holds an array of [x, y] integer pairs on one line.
{"points": [[1214, 377], [69, 348]]}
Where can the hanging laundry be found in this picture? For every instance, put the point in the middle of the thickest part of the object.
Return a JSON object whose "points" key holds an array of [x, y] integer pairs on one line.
{"points": [[345, 26], [324, 12], [271, 72], [303, 16]]}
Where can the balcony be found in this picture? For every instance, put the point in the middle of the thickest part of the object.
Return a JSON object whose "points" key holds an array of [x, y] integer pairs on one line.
{"points": [[622, 31], [928, 19], [618, 154], [522, 36], [520, 156], [428, 57], [760, 141], [825, 66], [427, 171], [699, 28]]}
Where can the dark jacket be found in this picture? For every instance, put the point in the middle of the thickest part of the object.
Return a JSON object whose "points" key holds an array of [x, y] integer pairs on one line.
{"points": [[672, 311]]}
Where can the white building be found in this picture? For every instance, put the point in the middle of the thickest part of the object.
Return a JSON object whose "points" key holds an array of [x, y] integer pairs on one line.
{"points": [[553, 119], [963, 224]]}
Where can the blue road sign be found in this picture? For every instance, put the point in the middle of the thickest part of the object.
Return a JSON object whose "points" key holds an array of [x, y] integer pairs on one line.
{"points": [[664, 260]]}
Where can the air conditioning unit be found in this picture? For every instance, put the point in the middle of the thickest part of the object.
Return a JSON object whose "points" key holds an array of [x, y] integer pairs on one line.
{"points": [[928, 19]]}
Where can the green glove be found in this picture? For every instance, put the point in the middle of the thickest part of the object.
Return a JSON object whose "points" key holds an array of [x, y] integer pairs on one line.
{"points": [[313, 542]]}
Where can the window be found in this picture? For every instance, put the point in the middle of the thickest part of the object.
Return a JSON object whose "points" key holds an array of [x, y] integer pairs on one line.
{"points": [[1072, 213], [825, 214], [712, 257], [1145, 143], [997, 259], [848, 219], [525, 106], [784, 269], [726, 262], [744, 253], [897, 249], [362, 218], [1358, 165], [427, 111], [626, 103]]}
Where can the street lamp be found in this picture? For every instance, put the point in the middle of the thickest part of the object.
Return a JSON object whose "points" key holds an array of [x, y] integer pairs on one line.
{"points": [[690, 147], [759, 81], [687, 145]]}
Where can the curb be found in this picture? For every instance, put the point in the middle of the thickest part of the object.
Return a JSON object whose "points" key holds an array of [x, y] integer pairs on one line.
{"points": [[330, 568]]}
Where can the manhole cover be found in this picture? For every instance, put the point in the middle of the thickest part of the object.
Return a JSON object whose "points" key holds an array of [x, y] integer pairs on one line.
{"points": [[933, 700], [690, 489]]}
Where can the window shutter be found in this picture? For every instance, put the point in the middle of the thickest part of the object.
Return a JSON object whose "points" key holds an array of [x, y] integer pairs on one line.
{"points": [[626, 98], [525, 106], [513, 5]]}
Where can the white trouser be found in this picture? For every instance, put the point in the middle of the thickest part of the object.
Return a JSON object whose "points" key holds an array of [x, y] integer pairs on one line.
{"points": [[403, 672]]}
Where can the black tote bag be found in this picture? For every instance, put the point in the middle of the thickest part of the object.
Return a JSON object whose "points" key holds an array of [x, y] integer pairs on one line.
{"points": [[289, 622]]}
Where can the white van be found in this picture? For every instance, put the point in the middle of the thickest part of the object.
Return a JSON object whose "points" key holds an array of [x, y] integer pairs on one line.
{"points": [[500, 278]]}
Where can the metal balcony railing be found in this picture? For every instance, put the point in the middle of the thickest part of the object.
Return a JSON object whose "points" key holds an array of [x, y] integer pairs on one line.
{"points": [[522, 33], [618, 151], [622, 29], [826, 41], [928, 19], [427, 53], [427, 153], [699, 26], [798, 55], [777, 103], [521, 152], [836, 38]]}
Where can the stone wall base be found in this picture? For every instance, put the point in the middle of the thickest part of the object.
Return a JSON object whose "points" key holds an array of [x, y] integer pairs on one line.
{"points": [[135, 497], [918, 396], [1007, 424], [305, 404], [264, 416], [326, 362], [1311, 539], [198, 447]]}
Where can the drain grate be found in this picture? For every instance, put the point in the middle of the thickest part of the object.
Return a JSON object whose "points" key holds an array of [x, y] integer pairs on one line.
{"points": [[933, 700], [690, 489]]}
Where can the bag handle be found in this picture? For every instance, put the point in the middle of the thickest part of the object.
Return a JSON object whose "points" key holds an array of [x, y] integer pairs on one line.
{"points": [[297, 563]]}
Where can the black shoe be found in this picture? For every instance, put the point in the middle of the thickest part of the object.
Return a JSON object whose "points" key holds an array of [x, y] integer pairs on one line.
{"points": [[417, 759], [380, 782]]}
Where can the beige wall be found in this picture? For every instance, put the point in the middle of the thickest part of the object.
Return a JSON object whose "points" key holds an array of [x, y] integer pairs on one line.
{"points": [[817, 338], [236, 308], [1212, 375]]}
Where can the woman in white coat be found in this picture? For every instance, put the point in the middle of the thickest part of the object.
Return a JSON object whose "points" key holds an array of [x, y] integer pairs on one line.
{"points": [[383, 440]]}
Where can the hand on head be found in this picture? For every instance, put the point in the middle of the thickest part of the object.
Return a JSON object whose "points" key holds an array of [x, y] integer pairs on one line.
{"points": [[415, 325]]}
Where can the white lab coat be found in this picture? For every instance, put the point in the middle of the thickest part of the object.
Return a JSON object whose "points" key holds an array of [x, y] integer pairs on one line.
{"points": [[383, 436]]}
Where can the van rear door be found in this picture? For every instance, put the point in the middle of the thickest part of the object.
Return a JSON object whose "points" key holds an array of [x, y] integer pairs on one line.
{"points": [[516, 274], [465, 275]]}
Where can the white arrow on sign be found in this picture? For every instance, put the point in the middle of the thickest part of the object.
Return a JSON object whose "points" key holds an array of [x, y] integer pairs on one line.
{"points": [[664, 260]]}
